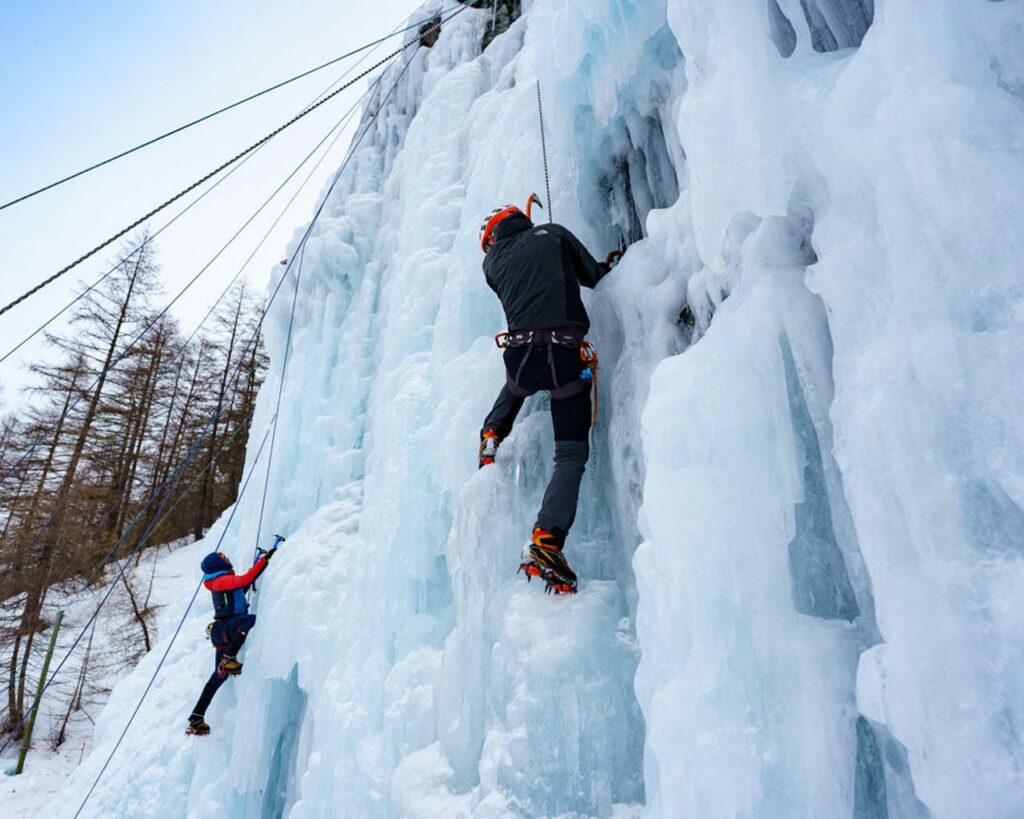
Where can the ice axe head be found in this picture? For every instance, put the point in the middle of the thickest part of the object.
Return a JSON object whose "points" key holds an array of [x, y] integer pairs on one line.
{"points": [[534, 199]]}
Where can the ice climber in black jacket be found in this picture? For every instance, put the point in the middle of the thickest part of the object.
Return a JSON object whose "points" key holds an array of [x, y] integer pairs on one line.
{"points": [[536, 271]]}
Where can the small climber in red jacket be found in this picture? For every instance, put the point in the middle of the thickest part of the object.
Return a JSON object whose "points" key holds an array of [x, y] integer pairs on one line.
{"points": [[231, 623]]}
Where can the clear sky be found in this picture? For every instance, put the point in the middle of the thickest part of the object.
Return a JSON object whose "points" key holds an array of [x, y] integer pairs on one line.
{"points": [[82, 80]]}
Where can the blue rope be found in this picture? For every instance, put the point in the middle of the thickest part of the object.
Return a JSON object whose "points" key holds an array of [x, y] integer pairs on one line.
{"points": [[196, 201], [47, 432], [275, 419], [13, 566], [298, 277], [179, 473], [195, 446], [177, 631]]}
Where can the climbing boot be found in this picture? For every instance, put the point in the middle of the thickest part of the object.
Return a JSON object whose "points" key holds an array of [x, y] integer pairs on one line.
{"points": [[197, 726], [488, 447], [229, 667], [542, 557]]}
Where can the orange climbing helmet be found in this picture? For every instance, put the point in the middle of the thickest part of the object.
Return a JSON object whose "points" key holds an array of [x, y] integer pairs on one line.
{"points": [[498, 215]]}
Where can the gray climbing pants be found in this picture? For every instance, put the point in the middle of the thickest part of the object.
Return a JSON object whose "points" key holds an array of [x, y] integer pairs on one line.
{"points": [[571, 419]]}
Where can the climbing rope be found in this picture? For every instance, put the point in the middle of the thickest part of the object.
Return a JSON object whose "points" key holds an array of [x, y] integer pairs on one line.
{"points": [[211, 115], [544, 151], [301, 255], [338, 127], [177, 630], [194, 448], [223, 166], [177, 475], [195, 202]]}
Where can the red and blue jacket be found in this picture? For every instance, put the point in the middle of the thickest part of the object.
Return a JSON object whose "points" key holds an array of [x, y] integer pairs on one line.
{"points": [[228, 590]]}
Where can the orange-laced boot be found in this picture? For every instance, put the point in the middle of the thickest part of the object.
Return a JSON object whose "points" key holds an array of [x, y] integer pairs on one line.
{"points": [[488, 447], [542, 557], [229, 667]]}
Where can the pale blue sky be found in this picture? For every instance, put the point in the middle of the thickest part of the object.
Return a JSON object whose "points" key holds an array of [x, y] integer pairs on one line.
{"points": [[82, 80]]}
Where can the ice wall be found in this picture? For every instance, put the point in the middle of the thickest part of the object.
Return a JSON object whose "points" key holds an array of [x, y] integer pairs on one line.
{"points": [[808, 425], [854, 213]]}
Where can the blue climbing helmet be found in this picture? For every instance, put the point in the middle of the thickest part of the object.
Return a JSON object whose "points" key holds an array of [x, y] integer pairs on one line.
{"points": [[215, 564]]}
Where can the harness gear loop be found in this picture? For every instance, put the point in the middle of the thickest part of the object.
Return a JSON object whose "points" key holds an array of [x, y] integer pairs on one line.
{"points": [[588, 355]]}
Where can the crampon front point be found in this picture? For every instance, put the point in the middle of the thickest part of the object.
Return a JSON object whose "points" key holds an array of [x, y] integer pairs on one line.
{"points": [[555, 583]]}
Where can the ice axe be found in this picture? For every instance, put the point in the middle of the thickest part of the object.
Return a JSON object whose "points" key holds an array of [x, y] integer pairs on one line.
{"points": [[260, 552], [534, 199], [613, 258]]}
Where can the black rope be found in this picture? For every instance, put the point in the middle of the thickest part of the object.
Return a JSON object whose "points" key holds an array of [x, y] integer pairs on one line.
{"points": [[181, 213], [85, 256], [177, 631], [298, 254], [14, 564], [210, 115], [176, 476], [39, 439], [544, 150], [339, 128]]}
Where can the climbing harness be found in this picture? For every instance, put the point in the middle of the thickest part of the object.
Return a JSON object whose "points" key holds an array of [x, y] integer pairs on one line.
{"points": [[571, 337], [544, 151]]}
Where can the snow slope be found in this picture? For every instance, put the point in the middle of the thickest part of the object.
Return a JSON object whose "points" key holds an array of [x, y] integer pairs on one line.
{"points": [[111, 645], [808, 439]]}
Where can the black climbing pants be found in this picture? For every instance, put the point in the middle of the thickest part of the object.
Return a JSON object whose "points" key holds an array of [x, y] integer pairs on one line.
{"points": [[227, 637], [535, 369]]}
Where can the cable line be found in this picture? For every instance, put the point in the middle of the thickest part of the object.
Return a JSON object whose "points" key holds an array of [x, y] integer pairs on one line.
{"points": [[224, 165], [544, 150], [39, 439], [185, 461], [177, 631], [181, 213], [339, 128], [210, 115]]}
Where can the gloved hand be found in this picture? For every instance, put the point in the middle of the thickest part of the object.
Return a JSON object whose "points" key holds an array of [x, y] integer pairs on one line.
{"points": [[269, 554]]}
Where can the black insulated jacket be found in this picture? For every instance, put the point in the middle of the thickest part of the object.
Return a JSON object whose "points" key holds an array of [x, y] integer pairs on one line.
{"points": [[537, 270]]}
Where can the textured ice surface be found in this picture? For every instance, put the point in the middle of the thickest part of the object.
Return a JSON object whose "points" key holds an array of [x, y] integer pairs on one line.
{"points": [[810, 425]]}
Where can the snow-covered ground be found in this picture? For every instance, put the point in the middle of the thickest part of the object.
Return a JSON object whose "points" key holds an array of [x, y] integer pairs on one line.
{"points": [[173, 570], [800, 532]]}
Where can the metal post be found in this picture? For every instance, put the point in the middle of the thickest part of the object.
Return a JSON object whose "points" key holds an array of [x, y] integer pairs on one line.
{"points": [[27, 739]]}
